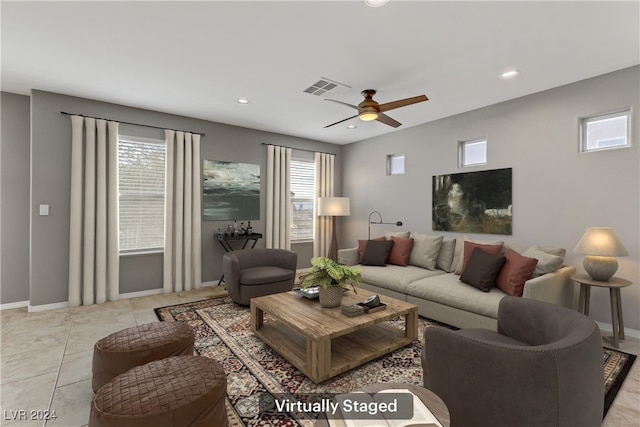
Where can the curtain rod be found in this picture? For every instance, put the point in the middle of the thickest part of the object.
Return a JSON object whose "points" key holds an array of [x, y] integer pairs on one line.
{"points": [[301, 149], [130, 123]]}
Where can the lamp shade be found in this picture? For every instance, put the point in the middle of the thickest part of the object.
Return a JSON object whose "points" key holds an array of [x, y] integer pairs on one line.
{"points": [[334, 206], [600, 241]]}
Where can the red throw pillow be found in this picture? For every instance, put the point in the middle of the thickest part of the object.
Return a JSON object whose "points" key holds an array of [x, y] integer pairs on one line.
{"points": [[516, 270], [470, 246], [362, 245], [400, 251]]}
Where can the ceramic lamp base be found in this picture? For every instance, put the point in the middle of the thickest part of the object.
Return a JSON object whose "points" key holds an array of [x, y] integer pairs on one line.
{"points": [[600, 268]]}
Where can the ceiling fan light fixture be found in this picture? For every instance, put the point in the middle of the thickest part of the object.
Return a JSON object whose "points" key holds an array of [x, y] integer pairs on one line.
{"points": [[368, 116]]}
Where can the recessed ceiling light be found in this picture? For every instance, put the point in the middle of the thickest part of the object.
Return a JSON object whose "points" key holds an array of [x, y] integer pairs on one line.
{"points": [[510, 74], [243, 101], [352, 127], [376, 3]]}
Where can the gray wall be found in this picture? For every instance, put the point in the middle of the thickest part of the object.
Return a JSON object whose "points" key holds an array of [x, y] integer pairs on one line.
{"points": [[14, 222], [557, 192], [50, 178]]}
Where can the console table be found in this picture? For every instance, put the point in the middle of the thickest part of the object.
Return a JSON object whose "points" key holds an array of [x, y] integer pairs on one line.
{"points": [[614, 284], [225, 241]]}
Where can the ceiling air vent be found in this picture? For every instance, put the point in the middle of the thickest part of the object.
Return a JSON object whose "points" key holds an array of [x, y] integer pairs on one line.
{"points": [[326, 88]]}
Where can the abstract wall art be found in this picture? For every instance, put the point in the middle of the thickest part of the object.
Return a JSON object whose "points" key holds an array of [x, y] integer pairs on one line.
{"points": [[231, 191], [473, 202]]}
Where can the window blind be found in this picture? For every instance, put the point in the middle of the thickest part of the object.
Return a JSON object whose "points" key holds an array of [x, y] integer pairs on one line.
{"points": [[302, 199], [141, 195]]}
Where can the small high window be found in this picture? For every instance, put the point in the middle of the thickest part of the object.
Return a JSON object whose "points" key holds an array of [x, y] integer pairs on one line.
{"points": [[473, 153], [605, 131], [395, 164]]}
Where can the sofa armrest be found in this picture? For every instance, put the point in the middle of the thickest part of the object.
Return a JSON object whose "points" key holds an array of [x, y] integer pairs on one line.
{"points": [[556, 288], [348, 256]]}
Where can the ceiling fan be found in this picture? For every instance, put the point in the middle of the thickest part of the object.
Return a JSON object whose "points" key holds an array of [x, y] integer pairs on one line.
{"points": [[371, 110]]}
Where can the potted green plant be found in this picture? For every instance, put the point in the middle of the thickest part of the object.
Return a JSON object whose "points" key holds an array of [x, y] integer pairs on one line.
{"points": [[331, 277]]}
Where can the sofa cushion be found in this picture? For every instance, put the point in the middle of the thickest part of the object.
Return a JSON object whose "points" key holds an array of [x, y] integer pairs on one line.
{"points": [[402, 234], [400, 251], [264, 275], [516, 270], [362, 244], [395, 277], [458, 256], [445, 257], [469, 248], [446, 289], [425, 250], [377, 252], [482, 269], [547, 263]]}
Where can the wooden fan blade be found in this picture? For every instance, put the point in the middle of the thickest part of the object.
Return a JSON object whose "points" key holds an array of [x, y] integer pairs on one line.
{"points": [[402, 103], [348, 118], [343, 103], [383, 118]]}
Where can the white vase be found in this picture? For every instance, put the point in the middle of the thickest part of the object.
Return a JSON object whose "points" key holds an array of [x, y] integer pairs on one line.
{"points": [[330, 296]]}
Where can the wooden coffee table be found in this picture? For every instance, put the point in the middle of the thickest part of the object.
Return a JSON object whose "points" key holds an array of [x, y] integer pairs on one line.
{"points": [[322, 342]]}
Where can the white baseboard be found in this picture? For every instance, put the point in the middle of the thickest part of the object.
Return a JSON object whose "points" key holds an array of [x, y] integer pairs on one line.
{"points": [[208, 284], [44, 307], [138, 294], [10, 305], [627, 331]]}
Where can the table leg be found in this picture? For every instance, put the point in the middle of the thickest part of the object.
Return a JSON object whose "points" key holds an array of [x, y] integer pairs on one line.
{"points": [[585, 296], [257, 318], [319, 358], [620, 316], [616, 315], [411, 325]]}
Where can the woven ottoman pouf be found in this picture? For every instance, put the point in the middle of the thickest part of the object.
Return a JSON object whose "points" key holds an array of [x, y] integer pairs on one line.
{"points": [[180, 391], [115, 354]]}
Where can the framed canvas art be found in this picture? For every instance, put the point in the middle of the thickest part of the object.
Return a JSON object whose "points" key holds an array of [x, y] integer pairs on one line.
{"points": [[231, 191], [473, 202]]}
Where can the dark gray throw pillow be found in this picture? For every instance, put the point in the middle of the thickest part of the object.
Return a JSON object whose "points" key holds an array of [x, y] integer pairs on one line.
{"points": [[482, 269], [377, 252]]}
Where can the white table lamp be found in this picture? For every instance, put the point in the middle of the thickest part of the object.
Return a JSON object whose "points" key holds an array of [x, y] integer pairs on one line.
{"points": [[600, 245]]}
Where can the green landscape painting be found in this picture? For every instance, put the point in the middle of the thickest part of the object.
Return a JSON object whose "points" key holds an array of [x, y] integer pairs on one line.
{"points": [[231, 191]]}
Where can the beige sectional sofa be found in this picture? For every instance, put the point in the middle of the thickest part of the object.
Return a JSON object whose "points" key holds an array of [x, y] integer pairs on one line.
{"points": [[441, 295]]}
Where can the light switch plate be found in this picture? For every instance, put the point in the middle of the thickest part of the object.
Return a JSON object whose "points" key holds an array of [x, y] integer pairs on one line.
{"points": [[44, 210]]}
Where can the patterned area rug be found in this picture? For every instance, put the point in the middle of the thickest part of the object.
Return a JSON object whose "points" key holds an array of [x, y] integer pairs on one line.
{"points": [[254, 370]]}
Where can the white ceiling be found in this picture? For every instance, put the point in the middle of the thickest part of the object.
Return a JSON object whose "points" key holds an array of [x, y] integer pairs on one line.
{"points": [[197, 58]]}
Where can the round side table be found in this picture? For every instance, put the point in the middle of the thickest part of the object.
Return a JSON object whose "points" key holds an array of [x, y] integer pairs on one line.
{"points": [[614, 284], [429, 398]]}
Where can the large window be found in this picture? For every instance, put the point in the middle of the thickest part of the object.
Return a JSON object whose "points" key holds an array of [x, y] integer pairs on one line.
{"points": [[605, 131], [141, 168], [303, 174]]}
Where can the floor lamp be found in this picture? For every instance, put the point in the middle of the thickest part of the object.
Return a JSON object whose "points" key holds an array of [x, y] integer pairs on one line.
{"points": [[333, 207]]}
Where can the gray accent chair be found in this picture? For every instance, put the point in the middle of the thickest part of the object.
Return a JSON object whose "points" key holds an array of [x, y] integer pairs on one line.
{"points": [[256, 272], [544, 367]]}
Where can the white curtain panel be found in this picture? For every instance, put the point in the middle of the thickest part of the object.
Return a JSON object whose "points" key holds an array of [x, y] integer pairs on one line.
{"points": [[93, 238], [324, 188], [278, 223], [182, 239]]}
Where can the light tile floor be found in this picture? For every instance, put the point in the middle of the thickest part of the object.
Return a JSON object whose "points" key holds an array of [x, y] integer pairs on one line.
{"points": [[45, 360]]}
